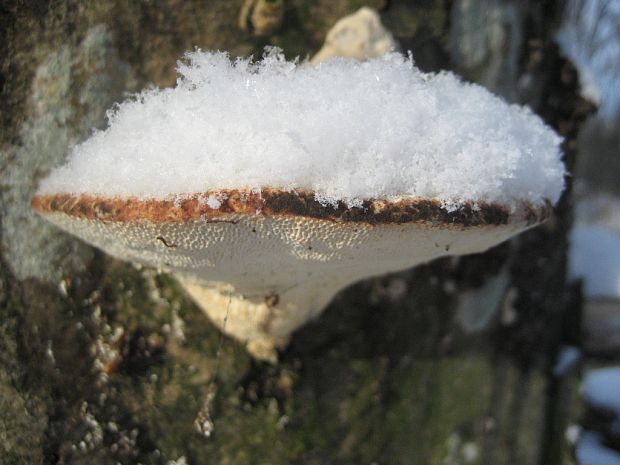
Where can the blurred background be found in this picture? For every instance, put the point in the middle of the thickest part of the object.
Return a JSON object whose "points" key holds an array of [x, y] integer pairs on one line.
{"points": [[589, 36], [507, 357]]}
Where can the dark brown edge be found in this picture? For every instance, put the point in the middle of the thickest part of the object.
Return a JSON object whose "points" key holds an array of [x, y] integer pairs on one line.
{"points": [[277, 202]]}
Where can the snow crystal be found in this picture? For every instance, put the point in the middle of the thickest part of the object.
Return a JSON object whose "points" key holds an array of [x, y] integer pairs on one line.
{"points": [[343, 129], [213, 202], [601, 389]]}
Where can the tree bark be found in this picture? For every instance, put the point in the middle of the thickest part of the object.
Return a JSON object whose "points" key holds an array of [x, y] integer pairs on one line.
{"points": [[101, 362]]}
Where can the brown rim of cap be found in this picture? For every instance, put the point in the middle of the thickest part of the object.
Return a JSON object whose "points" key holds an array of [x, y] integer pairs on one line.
{"points": [[277, 202]]}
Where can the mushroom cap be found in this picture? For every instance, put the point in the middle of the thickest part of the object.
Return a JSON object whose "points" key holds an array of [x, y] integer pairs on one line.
{"points": [[273, 239]]}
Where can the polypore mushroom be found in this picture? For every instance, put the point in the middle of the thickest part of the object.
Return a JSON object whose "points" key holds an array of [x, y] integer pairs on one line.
{"points": [[267, 187]]}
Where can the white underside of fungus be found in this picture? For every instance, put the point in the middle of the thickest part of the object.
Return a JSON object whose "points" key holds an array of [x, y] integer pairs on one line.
{"points": [[267, 187]]}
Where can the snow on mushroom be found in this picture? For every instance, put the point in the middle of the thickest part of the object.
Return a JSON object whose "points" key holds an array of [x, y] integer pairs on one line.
{"points": [[266, 187]]}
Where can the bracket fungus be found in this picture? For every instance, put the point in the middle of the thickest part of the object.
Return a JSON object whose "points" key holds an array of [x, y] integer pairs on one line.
{"points": [[266, 187]]}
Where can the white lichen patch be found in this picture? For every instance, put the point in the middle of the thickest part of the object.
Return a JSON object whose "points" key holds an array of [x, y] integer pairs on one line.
{"points": [[343, 129], [71, 90]]}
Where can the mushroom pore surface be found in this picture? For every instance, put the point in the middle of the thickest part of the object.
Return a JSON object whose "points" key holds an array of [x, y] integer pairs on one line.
{"points": [[274, 259]]}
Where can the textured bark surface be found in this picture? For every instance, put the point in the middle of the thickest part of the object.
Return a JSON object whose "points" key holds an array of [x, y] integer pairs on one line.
{"points": [[101, 362]]}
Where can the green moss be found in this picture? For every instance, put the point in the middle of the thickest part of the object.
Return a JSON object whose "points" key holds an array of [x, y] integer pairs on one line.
{"points": [[22, 427], [23, 418]]}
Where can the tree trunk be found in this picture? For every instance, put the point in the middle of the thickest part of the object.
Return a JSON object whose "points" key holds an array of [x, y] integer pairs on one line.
{"points": [[101, 362]]}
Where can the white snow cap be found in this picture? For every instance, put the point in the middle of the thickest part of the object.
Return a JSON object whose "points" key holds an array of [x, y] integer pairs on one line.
{"points": [[344, 129]]}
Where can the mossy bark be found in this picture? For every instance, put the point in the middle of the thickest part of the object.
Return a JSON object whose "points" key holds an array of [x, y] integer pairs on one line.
{"points": [[101, 362]]}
